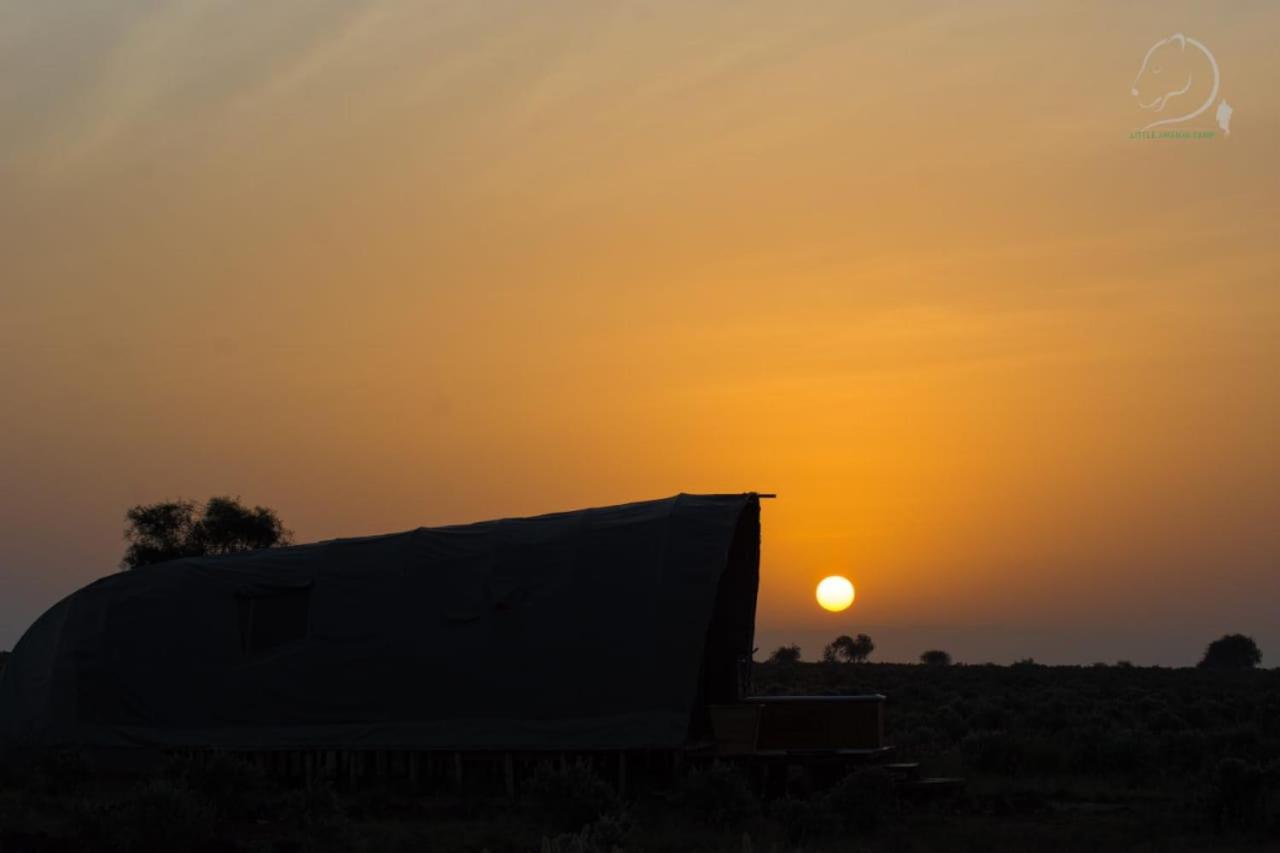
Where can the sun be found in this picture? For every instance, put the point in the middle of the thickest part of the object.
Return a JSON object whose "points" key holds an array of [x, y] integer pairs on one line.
{"points": [[835, 593]]}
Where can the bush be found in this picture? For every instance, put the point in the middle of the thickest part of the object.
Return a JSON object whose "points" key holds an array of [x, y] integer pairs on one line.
{"points": [[1236, 795], [320, 815], [804, 820], [568, 800], [785, 655], [58, 774], [991, 752], [158, 816], [1010, 754], [862, 799], [314, 805], [716, 794], [238, 787], [604, 836], [1232, 652]]}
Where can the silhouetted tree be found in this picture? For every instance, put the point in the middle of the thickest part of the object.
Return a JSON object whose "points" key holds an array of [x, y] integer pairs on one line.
{"points": [[1232, 651], [853, 649], [840, 647], [861, 649], [830, 653], [935, 657], [174, 529], [785, 654]]}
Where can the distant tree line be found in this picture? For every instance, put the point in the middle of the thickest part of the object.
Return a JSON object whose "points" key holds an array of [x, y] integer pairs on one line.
{"points": [[843, 648], [1229, 652]]}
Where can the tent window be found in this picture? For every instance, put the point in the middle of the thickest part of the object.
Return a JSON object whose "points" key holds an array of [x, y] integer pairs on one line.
{"points": [[273, 620]]}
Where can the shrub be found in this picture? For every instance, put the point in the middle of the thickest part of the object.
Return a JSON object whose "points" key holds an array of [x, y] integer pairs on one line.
{"points": [[321, 816], [785, 655], [803, 820], [862, 799], [604, 836], [991, 752], [568, 800], [1123, 751], [1232, 651], [316, 804], [610, 831], [158, 816], [58, 773], [1236, 795], [717, 794], [238, 787]]}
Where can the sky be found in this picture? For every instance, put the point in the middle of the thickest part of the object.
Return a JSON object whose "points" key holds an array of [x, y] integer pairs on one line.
{"points": [[1009, 368]]}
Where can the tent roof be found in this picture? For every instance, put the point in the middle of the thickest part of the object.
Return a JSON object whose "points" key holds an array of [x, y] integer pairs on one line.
{"points": [[599, 628]]}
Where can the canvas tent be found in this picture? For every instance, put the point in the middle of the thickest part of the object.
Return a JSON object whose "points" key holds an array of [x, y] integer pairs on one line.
{"points": [[602, 628]]}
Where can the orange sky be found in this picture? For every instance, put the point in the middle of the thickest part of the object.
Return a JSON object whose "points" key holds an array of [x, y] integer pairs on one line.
{"points": [[398, 263]]}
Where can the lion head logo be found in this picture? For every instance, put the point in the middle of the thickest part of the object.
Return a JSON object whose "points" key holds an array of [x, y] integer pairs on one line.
{"points": [[1179, 76]]}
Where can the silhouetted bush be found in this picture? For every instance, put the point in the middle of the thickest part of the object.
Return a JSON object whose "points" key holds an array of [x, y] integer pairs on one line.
{"points": [[862, 799], [1236, 795], [566, 800], [610, 830], [320, 815], [991, 752], [1232, 651], [606, 835], [158, 817], [935, 657], [60, 773], [805, 819], [315, 804], [238, 787], [717, 794], [785, 655]]}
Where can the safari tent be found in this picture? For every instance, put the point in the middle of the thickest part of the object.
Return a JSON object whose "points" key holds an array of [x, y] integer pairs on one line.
{"points": [[607, 628]]}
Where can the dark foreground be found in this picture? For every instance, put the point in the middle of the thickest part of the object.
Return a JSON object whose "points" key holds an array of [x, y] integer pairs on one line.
{"points": [[1055, 758]]}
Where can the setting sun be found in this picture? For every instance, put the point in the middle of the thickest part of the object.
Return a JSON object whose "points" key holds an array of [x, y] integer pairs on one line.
{"points": [[835, 593]]}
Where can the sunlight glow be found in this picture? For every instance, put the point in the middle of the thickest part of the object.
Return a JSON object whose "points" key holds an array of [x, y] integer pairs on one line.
{"points": [[835, 593]]}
